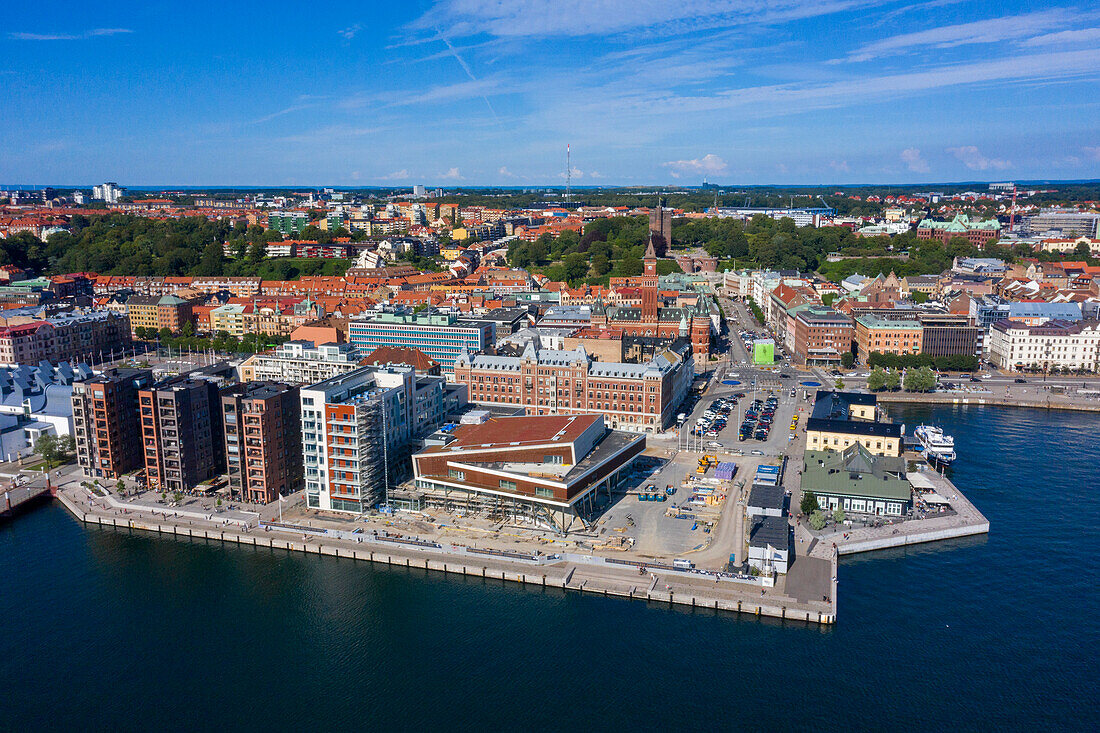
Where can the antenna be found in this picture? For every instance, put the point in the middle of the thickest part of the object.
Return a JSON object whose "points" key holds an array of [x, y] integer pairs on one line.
{"points": [[568, 173]]}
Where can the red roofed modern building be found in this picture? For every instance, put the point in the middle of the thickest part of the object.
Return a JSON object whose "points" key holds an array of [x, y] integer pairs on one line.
{"points": [[548, 470], [402, 355]]}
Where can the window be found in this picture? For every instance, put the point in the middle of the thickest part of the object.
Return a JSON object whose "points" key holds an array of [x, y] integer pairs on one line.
{"points": [[545, 493], [455, 473], [552, 459], [507, 485]]}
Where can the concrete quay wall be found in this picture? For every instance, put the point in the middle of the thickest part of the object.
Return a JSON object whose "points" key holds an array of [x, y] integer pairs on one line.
{"points": [[1053, 403], [559, 576], [916, 538]]}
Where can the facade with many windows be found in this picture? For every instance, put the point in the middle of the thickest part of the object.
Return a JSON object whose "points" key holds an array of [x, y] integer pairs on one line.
{"points": [[637, 397], [263, 440], [1052, 345], [105, 422], [439, 335], [356, 429]]}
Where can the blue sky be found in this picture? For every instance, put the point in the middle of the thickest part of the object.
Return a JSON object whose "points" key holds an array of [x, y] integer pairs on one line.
{"points": [[488, 92]]}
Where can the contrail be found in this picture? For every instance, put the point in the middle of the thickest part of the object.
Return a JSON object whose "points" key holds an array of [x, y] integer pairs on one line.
{"points": [[466, 68]]}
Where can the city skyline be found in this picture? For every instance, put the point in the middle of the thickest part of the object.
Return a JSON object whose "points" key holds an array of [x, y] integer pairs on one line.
{"points": [[473, 93]]}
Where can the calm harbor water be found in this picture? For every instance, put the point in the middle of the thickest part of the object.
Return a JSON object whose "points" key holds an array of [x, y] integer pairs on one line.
{"points": [[100, 629]]}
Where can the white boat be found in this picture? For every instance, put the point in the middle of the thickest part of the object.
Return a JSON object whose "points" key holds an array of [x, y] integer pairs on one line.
{"points": [[937, 446]]}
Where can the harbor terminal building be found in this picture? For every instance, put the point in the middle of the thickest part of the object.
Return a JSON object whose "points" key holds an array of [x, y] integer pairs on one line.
{"points": [[548, 470]]}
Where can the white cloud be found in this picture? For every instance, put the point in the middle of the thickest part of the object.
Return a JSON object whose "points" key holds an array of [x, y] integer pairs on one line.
{"points": [[522, 18], [840, 165], [93, 33], [707, 165], [972, 158], [913, 161], [595, 174], [452, 175], [575, 171], [401, 175], [995, 30], [349, 32], [1093, 152], [505, 173], [1085, 35]]}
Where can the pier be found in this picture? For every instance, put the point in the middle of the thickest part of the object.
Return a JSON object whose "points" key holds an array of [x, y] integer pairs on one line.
{"points": [[20, 499]]}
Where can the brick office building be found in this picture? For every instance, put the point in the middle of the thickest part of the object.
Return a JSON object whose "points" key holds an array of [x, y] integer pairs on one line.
{"points": [[821, 336], [637, 397]]}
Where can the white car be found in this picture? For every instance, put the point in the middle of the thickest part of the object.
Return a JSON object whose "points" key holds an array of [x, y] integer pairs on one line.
{"points": [[715, 444]]}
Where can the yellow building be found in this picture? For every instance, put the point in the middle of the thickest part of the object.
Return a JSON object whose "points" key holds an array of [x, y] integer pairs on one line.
{"points": [[842, 419]]}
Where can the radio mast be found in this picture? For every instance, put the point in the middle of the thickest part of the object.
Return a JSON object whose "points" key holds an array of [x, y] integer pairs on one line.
{"points": [[568, 173]]}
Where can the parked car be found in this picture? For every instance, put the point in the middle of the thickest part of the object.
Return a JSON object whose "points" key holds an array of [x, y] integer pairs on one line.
{"points": [[1020, 380]]}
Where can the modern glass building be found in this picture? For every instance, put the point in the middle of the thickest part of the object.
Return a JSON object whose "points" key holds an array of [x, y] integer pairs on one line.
{"points": [[439, 335]]}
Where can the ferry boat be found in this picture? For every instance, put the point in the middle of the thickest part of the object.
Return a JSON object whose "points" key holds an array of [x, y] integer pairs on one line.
{"points": [[938, 447]]}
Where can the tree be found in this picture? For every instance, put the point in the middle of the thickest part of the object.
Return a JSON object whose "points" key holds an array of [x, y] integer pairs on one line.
{"points": [[817, 520], [212, 259], [877, 381], [809, 502], [839, 383], [576, 267], [838, 516], [893, 380], [47, 447], [828, 298], [847, 359], [120, 487], [920, 380], [67, 445]]}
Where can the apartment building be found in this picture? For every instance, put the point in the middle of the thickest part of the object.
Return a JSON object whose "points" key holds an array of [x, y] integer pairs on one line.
{"points": [[356, 429], [1054, 344], [106, 424], [157, 312], [299, 362], [636, 397], [441, 336], [181, 431], [78, 335], [263, 440]]}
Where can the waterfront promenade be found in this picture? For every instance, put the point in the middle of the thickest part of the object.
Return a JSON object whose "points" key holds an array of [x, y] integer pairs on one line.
{"points": [[652, 581]]}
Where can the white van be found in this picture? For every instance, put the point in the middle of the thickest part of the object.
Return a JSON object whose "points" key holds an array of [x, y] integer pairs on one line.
{"points": [[683, 564]]}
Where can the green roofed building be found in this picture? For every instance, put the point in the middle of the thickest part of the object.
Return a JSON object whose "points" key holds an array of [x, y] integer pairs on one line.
{"points": [[977, 231], [857, 481]]}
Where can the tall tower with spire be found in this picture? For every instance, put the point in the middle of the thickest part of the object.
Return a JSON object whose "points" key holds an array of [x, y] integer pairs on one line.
{"points": [[650, 294], [649, 259]]}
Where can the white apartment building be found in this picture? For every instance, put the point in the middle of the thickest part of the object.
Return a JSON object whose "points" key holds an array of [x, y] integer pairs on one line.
{"points": [[356, 429], [300, 362], [1053, 345]]}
